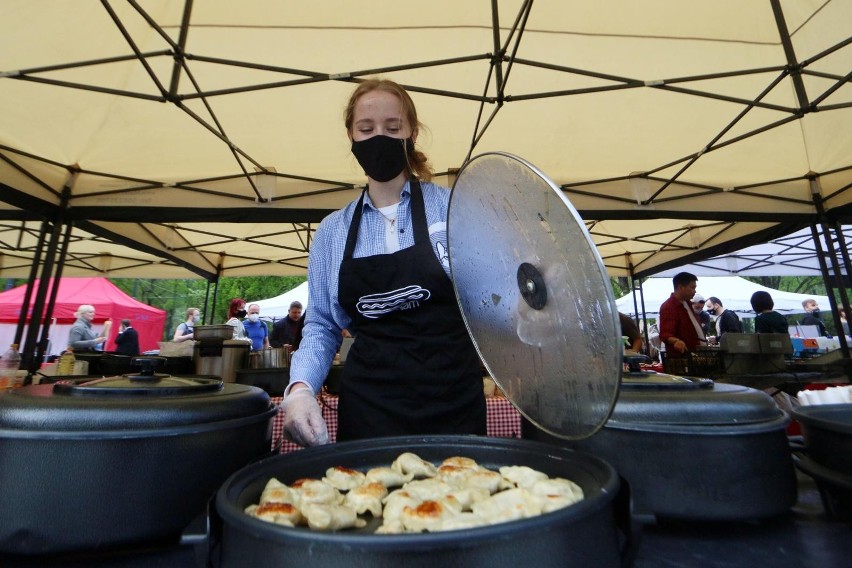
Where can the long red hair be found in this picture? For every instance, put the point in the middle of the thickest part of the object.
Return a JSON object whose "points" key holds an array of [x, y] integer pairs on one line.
{"points": [[234, 306]]}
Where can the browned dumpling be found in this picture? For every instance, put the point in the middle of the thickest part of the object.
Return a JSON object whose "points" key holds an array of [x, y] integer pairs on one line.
{"points": [[276, 492], [521, 475], [467, 496], [461, 521], [388, 477], [427, 516], [395, 502], [279, 513], [508, 505], [367, 497], [315, 491], [323, 517], [459, 461], [453, 474], [424, 489], [343, 478], [412, 463]]}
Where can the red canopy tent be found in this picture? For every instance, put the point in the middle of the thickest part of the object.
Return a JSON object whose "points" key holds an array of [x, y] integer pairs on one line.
{"points": [[109, 302]]}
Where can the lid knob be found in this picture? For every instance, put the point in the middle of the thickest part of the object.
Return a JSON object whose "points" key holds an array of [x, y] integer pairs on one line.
{"points": [[148, 366]]}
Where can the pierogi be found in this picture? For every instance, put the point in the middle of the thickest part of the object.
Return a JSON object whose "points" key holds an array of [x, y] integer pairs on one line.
{"points": [[456, 494]]}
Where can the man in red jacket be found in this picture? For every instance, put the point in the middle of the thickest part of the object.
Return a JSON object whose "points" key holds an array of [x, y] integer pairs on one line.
{"points": [[680, 330]]}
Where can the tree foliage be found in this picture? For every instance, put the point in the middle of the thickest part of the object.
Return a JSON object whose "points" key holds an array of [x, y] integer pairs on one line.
{"points": [[175, 296]]}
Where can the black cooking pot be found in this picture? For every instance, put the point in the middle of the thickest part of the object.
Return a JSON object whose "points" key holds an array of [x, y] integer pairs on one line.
{"points": [[694, 450], [827, 432], [124, 460], [581, 535]]}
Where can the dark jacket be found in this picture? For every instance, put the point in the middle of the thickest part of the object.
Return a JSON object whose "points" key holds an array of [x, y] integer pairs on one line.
{"points": [[728, 322], [127, 342]]}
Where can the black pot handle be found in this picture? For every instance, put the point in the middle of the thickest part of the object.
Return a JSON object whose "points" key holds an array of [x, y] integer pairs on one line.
{"points": [[797, 447], [630, 530], [214, 536]]}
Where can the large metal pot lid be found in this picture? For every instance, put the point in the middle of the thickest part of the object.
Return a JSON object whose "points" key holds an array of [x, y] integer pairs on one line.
{"points": [[534, 294], [146, 382]]}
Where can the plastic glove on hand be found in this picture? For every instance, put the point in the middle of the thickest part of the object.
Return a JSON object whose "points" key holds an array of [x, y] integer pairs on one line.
{"points": [[303, 421]]}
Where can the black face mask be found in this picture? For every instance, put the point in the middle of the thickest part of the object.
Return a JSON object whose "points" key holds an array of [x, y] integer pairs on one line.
{"points": [[240, 313], [815, 312], [383, 157]]}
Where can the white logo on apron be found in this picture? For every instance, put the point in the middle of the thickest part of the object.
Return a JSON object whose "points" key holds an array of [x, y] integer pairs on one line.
{"points": [[374, 306]]}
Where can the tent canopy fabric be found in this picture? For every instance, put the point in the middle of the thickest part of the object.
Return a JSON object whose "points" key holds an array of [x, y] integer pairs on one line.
{"points": [[109, 301], [791, 255], [278, 307], [210, 133], [734, 292]]}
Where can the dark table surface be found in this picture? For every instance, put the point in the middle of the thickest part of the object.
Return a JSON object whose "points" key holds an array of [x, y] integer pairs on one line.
{"points": [[803, 538]]}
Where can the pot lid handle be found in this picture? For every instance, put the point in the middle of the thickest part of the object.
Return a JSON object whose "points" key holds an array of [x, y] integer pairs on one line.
{"points": [[534, 294]]}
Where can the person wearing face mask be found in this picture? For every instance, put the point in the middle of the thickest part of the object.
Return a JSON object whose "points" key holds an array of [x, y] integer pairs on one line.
{"points": [[697, 302], [726, 320], [236, 312], [256, 329], [812, 318], [378, 268], [186, 330]]}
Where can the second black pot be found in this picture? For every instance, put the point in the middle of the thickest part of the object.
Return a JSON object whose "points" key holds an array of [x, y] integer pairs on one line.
{"points": [[109, 467]]}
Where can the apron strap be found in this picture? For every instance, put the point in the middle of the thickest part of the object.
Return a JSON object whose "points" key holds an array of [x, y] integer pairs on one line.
{"points": [[352, 237]]}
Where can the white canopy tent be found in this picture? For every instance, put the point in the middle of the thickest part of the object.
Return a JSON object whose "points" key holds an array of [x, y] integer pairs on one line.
{"points": [[209, 134], [277, 307], [733, 291], [791, 255]]}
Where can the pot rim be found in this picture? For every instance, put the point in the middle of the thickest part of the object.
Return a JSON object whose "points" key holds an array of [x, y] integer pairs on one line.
{"points": [[133, 433], [819, 415], [236, 485]]}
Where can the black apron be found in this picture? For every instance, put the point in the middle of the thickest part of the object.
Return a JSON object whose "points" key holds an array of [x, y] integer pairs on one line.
{"points": [[412, 369]]}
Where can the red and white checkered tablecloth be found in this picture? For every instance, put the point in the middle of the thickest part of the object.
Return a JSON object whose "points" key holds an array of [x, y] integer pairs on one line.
{"points": [[503, 420]]}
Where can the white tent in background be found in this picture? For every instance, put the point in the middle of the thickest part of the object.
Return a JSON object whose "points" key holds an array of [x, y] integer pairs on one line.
{"points": [[734, 292], [277, 307]]}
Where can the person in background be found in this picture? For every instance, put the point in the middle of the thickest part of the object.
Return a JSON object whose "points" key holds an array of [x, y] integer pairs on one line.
{"points": [[82, 337], [186, 330], [630, 330], [844, 322], [284, 330], [680, 330], [236, 312], [766, 319], [812, 316], [256, 329], [726, 320], [127, 340], [376, 268], [703, 316]]}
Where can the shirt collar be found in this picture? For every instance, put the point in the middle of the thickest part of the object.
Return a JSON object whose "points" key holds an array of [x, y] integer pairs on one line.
{"points": [[403, 195]]}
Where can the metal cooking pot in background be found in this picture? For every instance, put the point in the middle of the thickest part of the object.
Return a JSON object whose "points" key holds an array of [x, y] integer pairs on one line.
{"points": [[581, 535], [213, 332], [275, 358], [691, 449], [827, 432], [222, 359], [90, 465]]}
